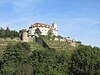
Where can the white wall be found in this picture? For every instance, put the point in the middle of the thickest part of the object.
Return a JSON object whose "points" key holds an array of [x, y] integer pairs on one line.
{"points": [[44, 31]]}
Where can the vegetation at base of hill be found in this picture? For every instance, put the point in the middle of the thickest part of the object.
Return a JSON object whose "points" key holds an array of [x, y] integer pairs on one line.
{"points": [[85, 61], [19, 59], [18, 55], [49, 62], [5, 33], [14, 55]]}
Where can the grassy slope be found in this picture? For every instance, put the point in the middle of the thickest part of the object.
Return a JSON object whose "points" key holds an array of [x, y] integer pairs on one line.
{"points": [[52, 44]]}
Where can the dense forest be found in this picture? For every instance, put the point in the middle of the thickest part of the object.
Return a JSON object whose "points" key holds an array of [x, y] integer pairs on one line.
{"points": [[5, 33], [19, 59]]}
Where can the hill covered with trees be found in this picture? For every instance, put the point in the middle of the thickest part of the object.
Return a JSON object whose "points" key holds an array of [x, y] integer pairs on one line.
{"points": [[22, 58], [19, 59]]}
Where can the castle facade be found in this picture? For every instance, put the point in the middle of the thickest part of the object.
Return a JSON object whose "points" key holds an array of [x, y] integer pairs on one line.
{"points": [[44, 28]]}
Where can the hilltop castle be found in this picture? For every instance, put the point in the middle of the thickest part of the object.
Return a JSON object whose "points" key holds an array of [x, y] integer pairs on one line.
{"points": [[27, 35], [44, 28]]}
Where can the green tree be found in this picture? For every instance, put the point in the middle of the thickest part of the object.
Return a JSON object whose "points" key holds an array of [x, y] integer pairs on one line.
{"points": [[4, 33], [7, 32], [21, 34], [85, 61], [50, 35], [14, 55], [49, 62], [37, 31], [50, 32]]}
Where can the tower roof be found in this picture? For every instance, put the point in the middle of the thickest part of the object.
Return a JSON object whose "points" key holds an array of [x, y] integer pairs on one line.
{"points": [[24, 30]]}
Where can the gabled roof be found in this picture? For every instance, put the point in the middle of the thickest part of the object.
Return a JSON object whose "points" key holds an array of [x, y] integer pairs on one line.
{"points": [[40, 25]]}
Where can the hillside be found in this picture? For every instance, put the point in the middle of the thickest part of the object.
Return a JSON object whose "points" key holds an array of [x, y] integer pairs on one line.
{"points": [[22, 58], [35, 46]]}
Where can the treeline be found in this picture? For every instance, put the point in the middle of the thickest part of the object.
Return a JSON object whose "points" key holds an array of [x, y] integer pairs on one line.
{"points": [[5, 33], [18, 59]]}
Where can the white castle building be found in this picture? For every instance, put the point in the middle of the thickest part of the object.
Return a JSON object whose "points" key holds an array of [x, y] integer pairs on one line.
{"points": [[44, 28]]}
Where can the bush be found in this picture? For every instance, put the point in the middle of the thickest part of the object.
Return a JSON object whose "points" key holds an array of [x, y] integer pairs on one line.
{"points": [[24, 69]]}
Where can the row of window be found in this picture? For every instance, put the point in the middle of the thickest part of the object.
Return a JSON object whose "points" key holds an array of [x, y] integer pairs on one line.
{"points": [[41, 30], [41, 27]]}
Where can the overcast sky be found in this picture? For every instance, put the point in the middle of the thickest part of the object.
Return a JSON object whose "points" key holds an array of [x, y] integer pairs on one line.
{"points": [[78, 19]]}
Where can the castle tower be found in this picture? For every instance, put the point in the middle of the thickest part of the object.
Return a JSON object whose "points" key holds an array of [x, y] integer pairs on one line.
{"points": [[55, 30], [54, 25], [25, 35]]}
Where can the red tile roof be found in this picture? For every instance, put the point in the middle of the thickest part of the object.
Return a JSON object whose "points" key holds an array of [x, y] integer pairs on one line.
{"points": [[42, 25]]}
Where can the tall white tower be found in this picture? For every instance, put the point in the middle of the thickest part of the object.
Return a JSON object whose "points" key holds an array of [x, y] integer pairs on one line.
{"points": [[54, 25], [55, 30]]}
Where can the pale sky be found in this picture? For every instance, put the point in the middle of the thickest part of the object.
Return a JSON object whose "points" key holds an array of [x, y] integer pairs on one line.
{"points": [[78, 19]]}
